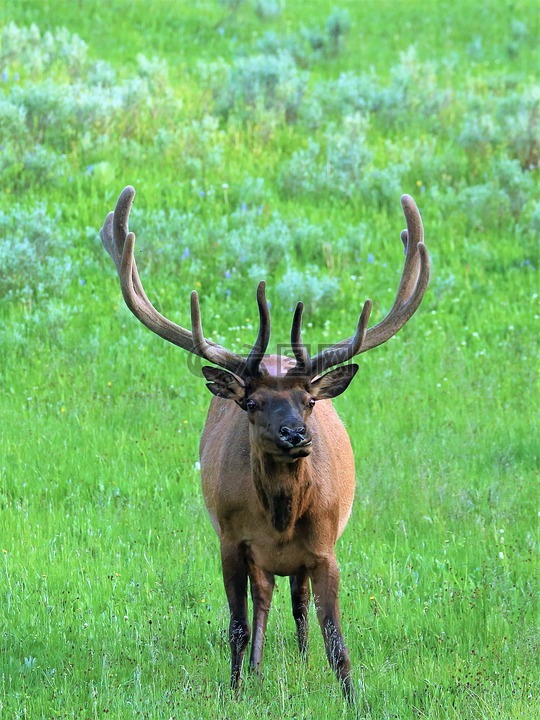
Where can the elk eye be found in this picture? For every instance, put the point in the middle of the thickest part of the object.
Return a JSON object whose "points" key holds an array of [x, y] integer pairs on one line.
{"points": [[251, 404], [311, 403]]}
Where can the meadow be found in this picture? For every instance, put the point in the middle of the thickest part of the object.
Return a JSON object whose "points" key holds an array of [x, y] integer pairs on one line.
{"points": [[268, 139]]}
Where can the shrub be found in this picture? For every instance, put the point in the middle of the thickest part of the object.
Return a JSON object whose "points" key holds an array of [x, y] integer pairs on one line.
{"points": [[199, 144], [510, 122], [502, 197], [347, 154], [48, 108], [340, 171], [534, 221], [231, 242], [383, 186], [255, 85], [42, 167], [69, 98], [519, 116], [316, 291], [252, 193], [516, 183], [479, 133], [254, 244], [303, 172], [12, 122], [517, 37], [268, 9], [485, 205], [231, 5], [101, 73], [337, 26], [347, 95], [309, 44], [33, 254], [31, 52], [413, 88]]}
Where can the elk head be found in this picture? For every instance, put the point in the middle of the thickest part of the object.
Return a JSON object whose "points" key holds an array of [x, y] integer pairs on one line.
{"points": [[279, 407]]}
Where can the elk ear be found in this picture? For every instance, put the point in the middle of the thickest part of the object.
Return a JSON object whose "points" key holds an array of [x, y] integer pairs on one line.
{"points": [[224, 384], [333, 383]]}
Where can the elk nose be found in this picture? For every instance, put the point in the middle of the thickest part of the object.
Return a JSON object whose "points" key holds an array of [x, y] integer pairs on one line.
{"points": [[294, 436]]}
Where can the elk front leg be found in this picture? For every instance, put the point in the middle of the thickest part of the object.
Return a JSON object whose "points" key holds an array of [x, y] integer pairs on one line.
{"points": [[300, 606], [262, 588], [325, 583], [235, 580]]}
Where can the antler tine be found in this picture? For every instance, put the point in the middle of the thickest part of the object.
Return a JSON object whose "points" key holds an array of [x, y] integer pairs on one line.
{"points": [[196, 325], [115, 228], [120, 243], [344, 351], [116, 239], [303, 361], [253, 362], [410, 238], [206, 349]]}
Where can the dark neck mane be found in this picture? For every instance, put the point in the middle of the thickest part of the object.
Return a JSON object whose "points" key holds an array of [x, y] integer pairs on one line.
{"points": [[282, 488]]}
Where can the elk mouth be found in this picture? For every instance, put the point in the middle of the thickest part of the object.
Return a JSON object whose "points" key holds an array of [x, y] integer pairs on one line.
{"points": [[297, 450], [287, 450], [301, 451]]}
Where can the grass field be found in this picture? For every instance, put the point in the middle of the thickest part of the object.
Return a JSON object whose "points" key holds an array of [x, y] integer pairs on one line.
{"points": [[268, 140]]}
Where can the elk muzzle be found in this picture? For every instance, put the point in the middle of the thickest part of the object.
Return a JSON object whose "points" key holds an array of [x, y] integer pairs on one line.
{"points": [[295, 439], [294, 436]]}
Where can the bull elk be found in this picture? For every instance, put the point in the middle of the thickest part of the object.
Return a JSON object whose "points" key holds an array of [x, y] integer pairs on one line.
{"points": [[276, 462]]}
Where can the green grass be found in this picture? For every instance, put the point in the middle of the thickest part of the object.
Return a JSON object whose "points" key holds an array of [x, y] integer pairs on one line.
{"points": [[111, 600]]}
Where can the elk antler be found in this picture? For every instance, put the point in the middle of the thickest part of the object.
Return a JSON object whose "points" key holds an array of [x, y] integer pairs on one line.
{"points": [[119, 243], [412, 286]]}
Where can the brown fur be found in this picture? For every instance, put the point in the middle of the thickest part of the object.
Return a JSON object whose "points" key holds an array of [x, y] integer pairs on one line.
{"points": [[241, 483]]}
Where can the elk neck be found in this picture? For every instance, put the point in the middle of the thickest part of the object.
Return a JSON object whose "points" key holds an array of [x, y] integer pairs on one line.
{"points": [[283, 488]]}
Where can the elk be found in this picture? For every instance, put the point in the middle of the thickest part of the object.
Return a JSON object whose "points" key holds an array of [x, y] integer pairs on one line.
{"points": [[277, 465]]}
